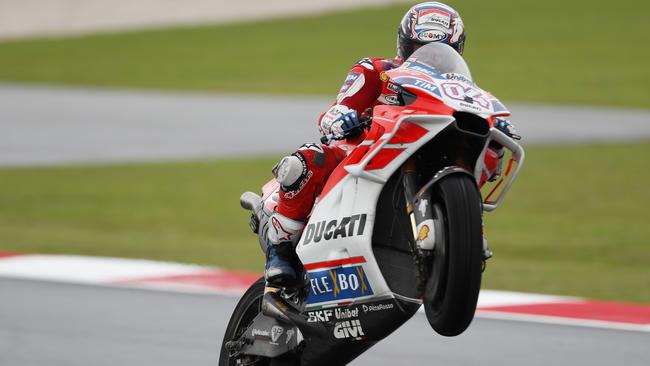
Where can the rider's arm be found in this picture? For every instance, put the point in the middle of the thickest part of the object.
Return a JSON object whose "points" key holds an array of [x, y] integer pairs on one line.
{"points": [[360, 90]]}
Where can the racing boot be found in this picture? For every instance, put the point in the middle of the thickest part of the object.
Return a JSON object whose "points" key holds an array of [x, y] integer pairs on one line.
{"points": [[282, 263], [279, 269]]}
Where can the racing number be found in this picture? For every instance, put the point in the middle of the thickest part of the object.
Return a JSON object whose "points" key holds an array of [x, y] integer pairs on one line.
{"points": [[459, 92]]}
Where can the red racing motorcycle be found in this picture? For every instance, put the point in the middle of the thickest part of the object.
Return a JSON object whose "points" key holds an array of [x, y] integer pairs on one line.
{"points": [[398, 225]]}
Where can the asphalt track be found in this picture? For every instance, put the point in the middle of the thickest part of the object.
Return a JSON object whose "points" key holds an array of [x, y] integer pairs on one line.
{"points": [[63, 324], [44, 126]]}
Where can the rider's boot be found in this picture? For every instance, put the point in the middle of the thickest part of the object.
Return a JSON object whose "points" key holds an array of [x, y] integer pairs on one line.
{"points": [[282, 263], [279, 269]]}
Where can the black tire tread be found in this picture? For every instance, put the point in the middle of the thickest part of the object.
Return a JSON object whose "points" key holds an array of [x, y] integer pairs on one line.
{"points": [[252, 295], [464, 232]]}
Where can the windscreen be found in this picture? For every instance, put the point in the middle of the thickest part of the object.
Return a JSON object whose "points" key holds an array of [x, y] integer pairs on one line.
{"points": [[441, 58]]}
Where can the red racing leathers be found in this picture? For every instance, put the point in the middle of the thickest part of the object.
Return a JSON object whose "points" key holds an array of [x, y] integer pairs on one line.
{"points": [[364, 87]]}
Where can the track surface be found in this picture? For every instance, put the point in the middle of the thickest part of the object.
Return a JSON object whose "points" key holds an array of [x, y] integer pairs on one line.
{"points": [[61, 324], [60, 126], [25, 18]]}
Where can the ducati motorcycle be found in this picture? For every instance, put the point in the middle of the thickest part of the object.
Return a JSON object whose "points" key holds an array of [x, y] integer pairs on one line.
{"points": [[398, 225]]}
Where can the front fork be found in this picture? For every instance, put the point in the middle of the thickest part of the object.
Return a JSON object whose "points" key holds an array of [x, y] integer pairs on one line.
{"points": [[420, 211], [419, 208]]}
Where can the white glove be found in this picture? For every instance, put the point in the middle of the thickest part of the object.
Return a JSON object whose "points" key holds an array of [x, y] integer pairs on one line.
{"points": [[339, 121]]}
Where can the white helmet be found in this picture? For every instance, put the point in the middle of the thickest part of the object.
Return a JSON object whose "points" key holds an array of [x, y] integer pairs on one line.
{"points": [[430, 22]]}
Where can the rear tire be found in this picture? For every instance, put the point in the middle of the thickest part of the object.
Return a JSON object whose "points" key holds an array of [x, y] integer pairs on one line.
{"points": [[246, 310], [452, 289]]}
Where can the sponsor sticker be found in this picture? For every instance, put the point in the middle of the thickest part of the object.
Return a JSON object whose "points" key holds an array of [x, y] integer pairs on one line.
{"points": [[434, 16], [321, 316], [458, 77], [422, 207], [276, 333], [349, 80], [334, 229], [338, 284], [424, 232], [348, 329], [376, 307], [393, 87], [391, 99], [420, 84], [261, 334], [352, 77], [432, 35], [461, 92], [422, 69], [303, 183]]}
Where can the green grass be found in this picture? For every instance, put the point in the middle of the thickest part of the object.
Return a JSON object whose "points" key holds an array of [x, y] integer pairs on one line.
{"points": [[586, 52], [186, 212], [576, 223]]}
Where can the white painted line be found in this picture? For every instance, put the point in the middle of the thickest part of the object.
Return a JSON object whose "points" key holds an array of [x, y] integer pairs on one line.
{"points": [[554, 320], [491, 298], [83, 269]]}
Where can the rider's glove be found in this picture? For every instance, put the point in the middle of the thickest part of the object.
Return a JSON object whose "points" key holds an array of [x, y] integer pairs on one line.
{"points": [[339, 121], [345, 125], [506, 127]]}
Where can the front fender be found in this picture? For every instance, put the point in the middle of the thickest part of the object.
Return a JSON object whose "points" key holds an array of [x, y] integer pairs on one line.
{"points": [[446, 171]]}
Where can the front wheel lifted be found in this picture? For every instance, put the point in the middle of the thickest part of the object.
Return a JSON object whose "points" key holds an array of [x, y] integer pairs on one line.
{"points": [[452, 288]]}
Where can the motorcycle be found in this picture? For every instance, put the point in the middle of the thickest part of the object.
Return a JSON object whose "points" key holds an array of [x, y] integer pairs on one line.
{"points": [[398, 225]]}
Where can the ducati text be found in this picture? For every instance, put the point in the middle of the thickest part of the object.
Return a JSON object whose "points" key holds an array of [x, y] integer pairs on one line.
{"points": [[334, 229]]}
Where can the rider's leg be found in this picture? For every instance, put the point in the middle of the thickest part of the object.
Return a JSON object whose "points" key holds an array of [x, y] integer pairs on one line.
{"points": [[283, 235], [302, 176]]}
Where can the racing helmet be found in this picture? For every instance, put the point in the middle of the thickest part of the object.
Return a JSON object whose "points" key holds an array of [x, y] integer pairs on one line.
{"points": [[428, 22]]}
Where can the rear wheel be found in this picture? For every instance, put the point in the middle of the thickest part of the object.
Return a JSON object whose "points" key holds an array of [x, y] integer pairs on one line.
{"points": [[452, 289], [245, 312]]}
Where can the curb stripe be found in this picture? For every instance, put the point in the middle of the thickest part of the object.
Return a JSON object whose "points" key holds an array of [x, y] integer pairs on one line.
{"points": [[555, 320], [591, 310], [176, 277], [232, 282], [9, 254]]}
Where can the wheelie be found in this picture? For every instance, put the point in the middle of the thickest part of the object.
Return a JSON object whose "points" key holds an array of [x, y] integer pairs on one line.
{"points": [[386, 215]]}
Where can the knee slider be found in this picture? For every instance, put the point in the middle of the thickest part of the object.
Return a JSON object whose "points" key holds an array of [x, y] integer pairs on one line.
{"points": [[290, 171], [283, 229]]}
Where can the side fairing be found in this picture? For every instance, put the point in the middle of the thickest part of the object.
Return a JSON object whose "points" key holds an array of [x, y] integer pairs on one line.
{"points": [[336, 247]]}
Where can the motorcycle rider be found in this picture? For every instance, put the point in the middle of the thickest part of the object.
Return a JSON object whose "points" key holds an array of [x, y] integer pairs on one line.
{"points": [[302, 175]]}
